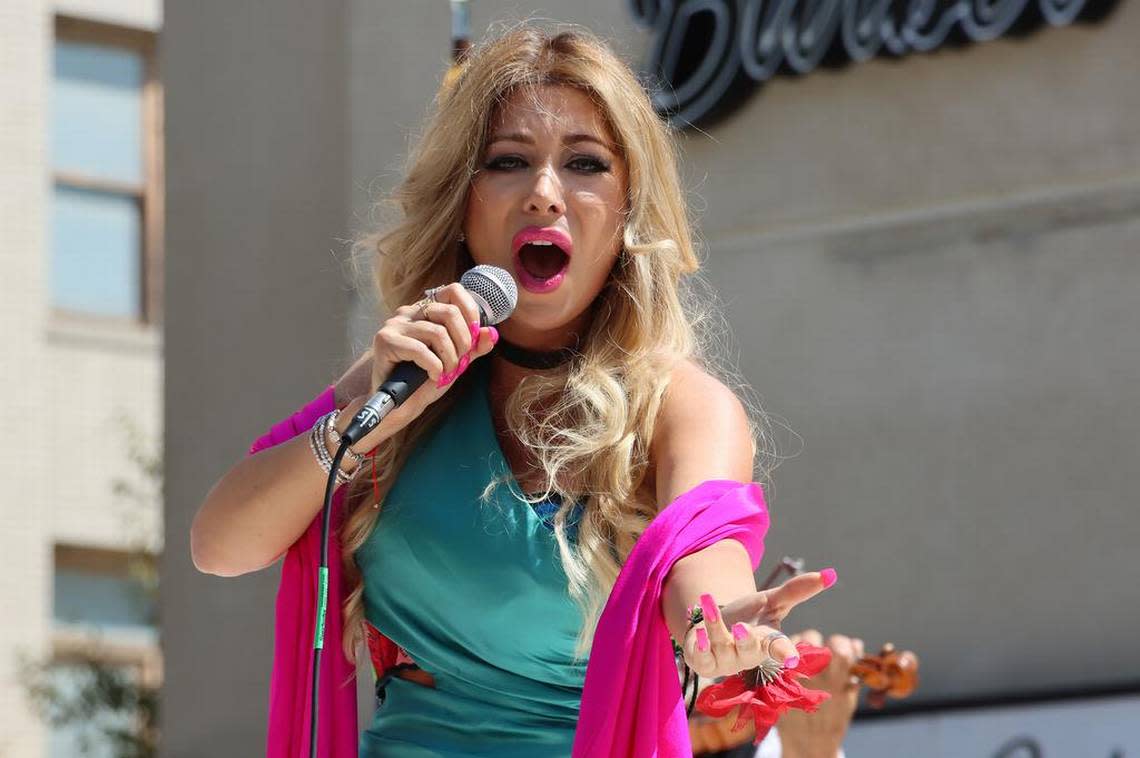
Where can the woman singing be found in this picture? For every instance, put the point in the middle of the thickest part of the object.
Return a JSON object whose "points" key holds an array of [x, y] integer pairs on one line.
{"points": [[520, 539]]}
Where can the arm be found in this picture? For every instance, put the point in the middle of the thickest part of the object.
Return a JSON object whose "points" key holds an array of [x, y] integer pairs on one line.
{"points": [[264, 503], [259, 507], [702, 434]]}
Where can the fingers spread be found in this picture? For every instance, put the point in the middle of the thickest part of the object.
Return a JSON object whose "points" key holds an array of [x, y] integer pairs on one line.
{"points": [[699, 654], [712, 647], [798, 589], [719, 635], [747, 643]]}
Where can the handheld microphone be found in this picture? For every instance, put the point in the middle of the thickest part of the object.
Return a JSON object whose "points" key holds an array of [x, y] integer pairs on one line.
{"points": [[495, 293]]}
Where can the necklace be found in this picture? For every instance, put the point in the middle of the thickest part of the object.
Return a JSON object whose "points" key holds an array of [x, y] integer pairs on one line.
{"points": [[537, 359]]}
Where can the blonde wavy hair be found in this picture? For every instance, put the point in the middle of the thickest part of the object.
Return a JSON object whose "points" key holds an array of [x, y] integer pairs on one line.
{"points": [[589, 424]]}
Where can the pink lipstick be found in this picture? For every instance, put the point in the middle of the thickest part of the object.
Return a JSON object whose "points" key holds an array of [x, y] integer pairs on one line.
{"points": [[548, 237]]}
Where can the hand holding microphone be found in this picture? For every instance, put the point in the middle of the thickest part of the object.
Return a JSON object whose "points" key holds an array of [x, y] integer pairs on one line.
{"points": [[434, 339]]}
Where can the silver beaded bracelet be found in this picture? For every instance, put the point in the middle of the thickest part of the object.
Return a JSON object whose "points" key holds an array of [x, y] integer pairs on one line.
{"points": [[319, 445], [332, 432]]}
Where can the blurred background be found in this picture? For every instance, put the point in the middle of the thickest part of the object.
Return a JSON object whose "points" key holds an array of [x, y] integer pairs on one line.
{"points": [[925, 242]]}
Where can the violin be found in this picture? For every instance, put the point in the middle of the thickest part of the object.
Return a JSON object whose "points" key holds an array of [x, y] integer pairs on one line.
{"points": [[892, 673]]}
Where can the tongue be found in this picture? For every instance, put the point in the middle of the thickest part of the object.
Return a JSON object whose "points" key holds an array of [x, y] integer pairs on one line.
{"points": [[542, 261]]}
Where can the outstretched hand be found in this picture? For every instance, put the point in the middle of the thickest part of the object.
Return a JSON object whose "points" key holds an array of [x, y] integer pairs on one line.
{"points": [[746, 632]]}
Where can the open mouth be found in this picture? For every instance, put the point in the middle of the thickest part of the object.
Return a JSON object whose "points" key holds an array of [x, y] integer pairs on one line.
{"points": [[541, 265]]}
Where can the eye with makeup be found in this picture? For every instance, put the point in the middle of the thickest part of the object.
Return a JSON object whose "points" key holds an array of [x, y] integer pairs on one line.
{"points": [[585, 164]]}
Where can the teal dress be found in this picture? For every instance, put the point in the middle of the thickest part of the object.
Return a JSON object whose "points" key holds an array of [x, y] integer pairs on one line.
{"points": [[476, 595]]}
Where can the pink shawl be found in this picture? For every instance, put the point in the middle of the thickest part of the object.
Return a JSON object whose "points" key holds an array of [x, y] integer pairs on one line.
{"points": [[631, 703], [288, 733]]}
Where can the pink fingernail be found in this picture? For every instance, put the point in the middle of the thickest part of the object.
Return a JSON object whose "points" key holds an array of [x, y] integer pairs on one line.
{"points": [[494, 335], [444, 379], [739, 631], [702, 640], [463, 363], [791, 662], [709, 608], [829, 576], [474, 332]]}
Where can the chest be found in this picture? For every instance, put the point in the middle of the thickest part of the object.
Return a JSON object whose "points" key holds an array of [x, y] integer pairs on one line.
{"points": [[444, 565]]}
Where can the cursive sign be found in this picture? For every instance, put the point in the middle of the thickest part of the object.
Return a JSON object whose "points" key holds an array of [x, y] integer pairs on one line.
{"points": [[707, 54]]}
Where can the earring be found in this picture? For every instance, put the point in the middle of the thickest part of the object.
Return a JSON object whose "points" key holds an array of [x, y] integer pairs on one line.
{"points": [[462, 237]]}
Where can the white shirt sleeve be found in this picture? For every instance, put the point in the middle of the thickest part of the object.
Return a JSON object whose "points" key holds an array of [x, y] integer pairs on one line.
{"points": [[770, 746]]}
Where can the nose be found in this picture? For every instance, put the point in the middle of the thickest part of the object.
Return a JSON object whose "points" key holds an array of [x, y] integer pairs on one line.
{"points": [[546, 194]]}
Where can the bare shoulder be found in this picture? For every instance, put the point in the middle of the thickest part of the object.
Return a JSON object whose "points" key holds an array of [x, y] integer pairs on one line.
{"points": [[695, 394], [702, 433]]}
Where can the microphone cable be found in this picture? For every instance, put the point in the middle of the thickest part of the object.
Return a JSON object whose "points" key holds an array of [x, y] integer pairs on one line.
{"points": [[323, 594]]}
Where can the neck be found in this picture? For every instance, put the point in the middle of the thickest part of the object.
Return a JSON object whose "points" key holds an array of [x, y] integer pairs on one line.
{"points": [[536, 360], [517, 331], [511, 363], [506, 374], [543, 341]]}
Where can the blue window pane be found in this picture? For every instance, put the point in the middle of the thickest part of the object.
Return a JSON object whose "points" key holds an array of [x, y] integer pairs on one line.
{"points": [[117, 607], [97, 111], [96, 252]]}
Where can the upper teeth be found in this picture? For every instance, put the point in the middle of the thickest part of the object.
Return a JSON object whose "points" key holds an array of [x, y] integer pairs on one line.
{"points": [[541, 242]]}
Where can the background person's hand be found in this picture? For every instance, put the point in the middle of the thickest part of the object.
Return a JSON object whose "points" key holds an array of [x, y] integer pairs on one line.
{"points": [[820, 734]]}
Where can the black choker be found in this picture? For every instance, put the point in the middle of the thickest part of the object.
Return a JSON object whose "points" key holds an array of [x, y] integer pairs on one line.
{"points": [[537, 359]]}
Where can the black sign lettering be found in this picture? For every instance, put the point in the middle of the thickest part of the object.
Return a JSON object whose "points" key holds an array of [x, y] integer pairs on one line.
{"points": [[706, 55]]}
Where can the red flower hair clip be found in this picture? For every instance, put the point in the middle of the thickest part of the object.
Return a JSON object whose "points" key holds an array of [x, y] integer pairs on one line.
{"points": [[772, 692]]}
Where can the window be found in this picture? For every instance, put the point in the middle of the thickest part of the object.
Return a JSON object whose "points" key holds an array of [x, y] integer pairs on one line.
{"points": [[106, 665], [106, 160], [95, 593]]}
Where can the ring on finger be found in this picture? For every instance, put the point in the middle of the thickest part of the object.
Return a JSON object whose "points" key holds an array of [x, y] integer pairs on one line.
{"points": [[773, 636], [423, 304], [770, 640], [431, 292]]}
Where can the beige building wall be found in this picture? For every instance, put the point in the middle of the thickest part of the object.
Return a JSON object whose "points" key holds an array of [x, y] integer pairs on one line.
{"points": [[928, 265], [257, 189], [24, 537], [65, 381]]}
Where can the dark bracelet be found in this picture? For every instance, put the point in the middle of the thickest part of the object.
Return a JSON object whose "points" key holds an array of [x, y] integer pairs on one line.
{"points": [[696, 616], [752, 677]]}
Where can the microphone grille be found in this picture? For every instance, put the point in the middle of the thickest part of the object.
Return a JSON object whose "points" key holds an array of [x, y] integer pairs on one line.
{"points": [[495, 287]]}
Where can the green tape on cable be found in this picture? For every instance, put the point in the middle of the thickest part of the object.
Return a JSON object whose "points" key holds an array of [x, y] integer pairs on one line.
{"points": [[322, 603]]}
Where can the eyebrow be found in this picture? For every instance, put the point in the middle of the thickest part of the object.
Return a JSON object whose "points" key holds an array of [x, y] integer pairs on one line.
{"points": [[569, 139]]}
